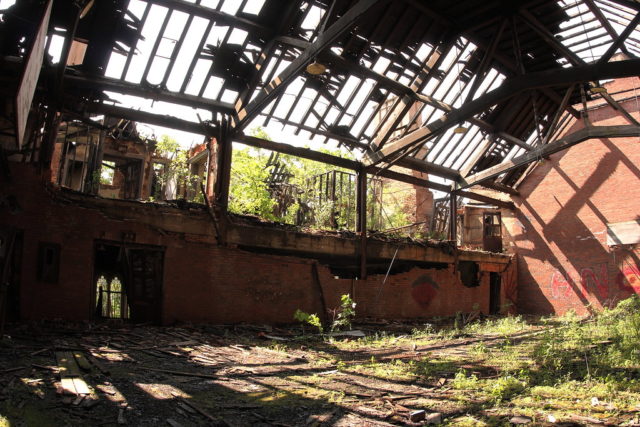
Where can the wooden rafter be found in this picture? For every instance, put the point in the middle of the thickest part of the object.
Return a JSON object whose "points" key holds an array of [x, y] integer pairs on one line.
{"points": [[156, 94], [245, 113], [213, 15], [619, 41], [549, 38], [592, 132], [508, 89], [151, 118]]}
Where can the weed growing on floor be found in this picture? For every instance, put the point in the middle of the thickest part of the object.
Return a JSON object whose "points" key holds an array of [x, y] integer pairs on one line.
{"points": [[505, 388], [311, 319], [603, 349], [503, 326], [343, 315], [464, 382]]}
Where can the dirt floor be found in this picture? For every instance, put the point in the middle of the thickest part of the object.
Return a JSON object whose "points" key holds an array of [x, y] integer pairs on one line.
{"points": [[59, 374]]}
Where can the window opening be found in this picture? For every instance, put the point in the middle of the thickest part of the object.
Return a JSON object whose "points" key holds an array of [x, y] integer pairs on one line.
{"points": [[111, 300]]}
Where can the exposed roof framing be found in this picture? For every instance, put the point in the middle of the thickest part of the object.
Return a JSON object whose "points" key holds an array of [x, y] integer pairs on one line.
{"points": [[215, 15], [561, 144], [400, 75], [324, 40], [148, 92], [510, 88]]}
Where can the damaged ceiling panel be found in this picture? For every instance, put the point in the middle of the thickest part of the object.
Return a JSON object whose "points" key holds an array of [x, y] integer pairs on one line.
{"points": [[448, 88]]}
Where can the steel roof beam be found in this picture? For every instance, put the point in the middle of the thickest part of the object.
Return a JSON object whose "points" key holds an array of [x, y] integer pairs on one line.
{"points": [[508, 89], [592, 132]]}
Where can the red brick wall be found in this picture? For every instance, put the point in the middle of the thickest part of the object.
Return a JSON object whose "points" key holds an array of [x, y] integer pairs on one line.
{"points": [[560, 228], [204, 282]]}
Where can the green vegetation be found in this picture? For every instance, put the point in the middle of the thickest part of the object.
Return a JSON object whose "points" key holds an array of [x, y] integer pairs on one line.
{"points": [[564, 366], [178, 170], [277, 187], [502, 326], [311, 319], [344, 315], [341, 316], [296, 196], [248, 192]]}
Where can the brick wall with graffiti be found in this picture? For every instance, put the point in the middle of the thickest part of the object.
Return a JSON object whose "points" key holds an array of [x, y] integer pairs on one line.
{"points": [[566, 205]]}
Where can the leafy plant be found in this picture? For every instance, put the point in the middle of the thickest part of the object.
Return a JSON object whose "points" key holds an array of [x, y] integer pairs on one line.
{"points": [[463, 382], [311, 319], [343, 316], [248, 192], [506, 387]]}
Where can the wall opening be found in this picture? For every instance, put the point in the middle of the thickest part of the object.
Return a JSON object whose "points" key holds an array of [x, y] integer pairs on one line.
{"points": [[111, 300], [128, 281], [492, 232], [10, 268], [494, 293], [469, 273]]}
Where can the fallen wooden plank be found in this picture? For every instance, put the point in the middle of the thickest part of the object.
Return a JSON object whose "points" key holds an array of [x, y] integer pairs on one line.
{"points": [[67, 364], [173, 423], [183, 343], [18, 368], [121, 419], [82, 361], [46, 368], [181, 373], [98, 365], [81, 386], [202, 411], [67, 386]]}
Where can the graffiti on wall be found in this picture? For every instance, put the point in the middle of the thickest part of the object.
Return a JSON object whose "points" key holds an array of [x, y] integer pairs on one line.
{"points": [[424, 290], [606, 284], [628, 278]]}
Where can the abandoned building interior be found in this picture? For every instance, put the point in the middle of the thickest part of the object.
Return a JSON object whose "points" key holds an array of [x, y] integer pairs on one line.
{"points": [[238, 162]]}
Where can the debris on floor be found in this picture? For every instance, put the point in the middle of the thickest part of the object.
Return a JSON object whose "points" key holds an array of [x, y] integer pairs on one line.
{"points": [[383, 373]]}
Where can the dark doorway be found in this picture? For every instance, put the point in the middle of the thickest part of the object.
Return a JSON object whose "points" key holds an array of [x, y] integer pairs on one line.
{"points": [[128, 282], [494, 293], [492, 232], [10, 268]]}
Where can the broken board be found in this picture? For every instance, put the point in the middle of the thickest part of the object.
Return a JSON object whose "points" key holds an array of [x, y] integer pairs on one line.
{"points": [[70, 377]]}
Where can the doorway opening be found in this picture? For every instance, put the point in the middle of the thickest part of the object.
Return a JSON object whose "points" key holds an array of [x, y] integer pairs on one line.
{"points": [[492, 232], [494, 293], [10, 270], [127, 282]]}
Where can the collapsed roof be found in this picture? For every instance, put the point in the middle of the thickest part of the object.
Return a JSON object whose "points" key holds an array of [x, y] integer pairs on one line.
{"points": [[469, 91]]}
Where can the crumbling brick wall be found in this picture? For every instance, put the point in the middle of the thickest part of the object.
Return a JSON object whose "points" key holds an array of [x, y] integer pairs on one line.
{"points": [[202, 282]]}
